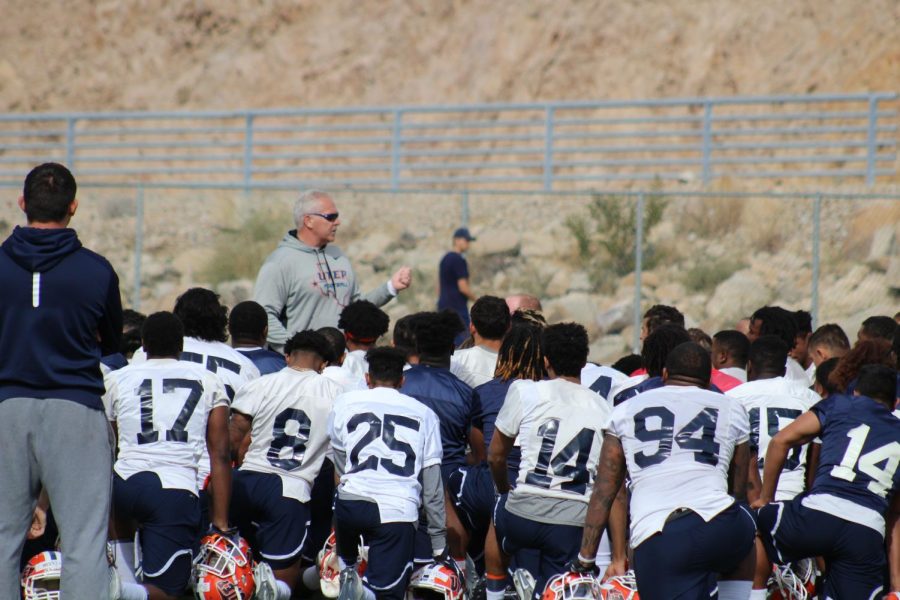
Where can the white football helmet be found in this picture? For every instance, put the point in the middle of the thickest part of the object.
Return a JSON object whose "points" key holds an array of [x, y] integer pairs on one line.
{"points": [[330, 567], [620, 587], [40, 579], [572, 586], [436, 581], [796, 581]]}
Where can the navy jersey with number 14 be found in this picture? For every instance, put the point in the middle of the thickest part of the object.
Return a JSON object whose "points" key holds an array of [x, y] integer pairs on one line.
{"points": [[858, 467]]}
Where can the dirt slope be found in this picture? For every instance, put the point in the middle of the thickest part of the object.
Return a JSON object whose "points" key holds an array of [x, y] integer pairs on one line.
{"points": [[136, 54]]}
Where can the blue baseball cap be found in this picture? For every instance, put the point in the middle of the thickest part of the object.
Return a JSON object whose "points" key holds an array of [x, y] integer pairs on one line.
{"points": [[463, 232]]}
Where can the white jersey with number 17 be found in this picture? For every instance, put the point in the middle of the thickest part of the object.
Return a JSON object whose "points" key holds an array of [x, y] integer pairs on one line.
{"points": [[161, 408]]}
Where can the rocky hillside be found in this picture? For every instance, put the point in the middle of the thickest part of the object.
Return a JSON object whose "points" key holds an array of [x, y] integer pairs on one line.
{"points": [[202, 54]]}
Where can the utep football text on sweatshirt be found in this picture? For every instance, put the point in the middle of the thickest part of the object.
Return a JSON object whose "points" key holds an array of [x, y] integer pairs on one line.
{"points": [[60, 310]]}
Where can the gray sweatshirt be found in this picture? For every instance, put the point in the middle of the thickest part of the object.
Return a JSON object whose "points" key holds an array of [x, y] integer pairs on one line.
{"points": [[302, 287]]}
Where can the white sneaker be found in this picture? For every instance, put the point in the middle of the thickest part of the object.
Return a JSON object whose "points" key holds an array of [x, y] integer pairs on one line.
{"points": [[266, 588], [524, 583], [351, 585], [115, 584]]}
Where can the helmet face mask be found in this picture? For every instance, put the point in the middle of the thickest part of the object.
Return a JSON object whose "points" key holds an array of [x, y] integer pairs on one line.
{"points": [[435, 582], [572, 586], [224, 569], [40, 579]]}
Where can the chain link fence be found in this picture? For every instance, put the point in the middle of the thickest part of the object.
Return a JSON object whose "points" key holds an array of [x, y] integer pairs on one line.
{"points": [[597, 258]]}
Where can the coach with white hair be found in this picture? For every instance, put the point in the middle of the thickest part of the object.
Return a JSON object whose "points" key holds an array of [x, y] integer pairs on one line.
{"points": [[307, 281]]}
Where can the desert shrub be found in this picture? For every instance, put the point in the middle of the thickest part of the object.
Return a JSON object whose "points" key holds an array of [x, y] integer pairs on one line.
{"points": [[706, 275], [239, 252], [605, 236]]}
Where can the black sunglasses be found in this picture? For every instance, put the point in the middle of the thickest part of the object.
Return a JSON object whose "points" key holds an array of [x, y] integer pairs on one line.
{"points": [[331, 217]]}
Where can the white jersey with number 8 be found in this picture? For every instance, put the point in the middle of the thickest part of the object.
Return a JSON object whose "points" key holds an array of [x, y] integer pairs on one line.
{"points": [[289, 410]]}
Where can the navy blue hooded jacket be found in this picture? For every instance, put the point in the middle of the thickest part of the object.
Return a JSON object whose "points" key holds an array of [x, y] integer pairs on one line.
{"points": [[60, 310]]}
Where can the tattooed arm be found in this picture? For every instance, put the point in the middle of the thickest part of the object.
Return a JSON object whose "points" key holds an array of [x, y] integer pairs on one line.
{"points": [[610, 475], [741, 481]]}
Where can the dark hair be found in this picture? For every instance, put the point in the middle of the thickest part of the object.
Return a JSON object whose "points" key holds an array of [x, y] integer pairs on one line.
{"points": [[162, 335], [658, 344], [698, 336], [132, 322], [735, 344], [777, 321], [386, 364], [803, 320], [768, 354], [873, 352], [247, 321], [202, 315], [308, 341], [405, 334], [689, 360], [363, 322], [49, 190], [829, 335], [823, 375], [880, 327], [879, 383], [520, 355], [628, 364], [435, 331], [336, 343], [565, 346], [490, 317], [661, 314]]}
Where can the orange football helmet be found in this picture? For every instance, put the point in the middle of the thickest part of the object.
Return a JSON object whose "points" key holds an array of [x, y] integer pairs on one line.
{"points": [[40, 579], [224, 569], [572, 586]]}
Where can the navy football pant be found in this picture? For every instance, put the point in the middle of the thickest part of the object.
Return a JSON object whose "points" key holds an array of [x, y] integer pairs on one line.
{"points": [[168, 528], [854, 554], [684, 560], [277, 525], [558, 544], [391, 546]]}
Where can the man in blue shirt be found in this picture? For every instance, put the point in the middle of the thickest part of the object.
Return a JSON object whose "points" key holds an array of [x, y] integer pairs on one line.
{"points": [[453, 280], [842, 518]]}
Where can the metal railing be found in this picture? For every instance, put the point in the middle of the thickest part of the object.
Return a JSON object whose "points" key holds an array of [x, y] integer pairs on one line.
{"points": [[540, 146]]}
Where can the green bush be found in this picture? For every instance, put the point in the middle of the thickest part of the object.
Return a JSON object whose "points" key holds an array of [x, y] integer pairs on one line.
{"points": [[605, 236], [705, 276], [238, 253]]}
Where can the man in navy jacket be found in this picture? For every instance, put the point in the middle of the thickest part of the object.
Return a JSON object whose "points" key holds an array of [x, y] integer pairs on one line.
{"points": [[60, 311]]}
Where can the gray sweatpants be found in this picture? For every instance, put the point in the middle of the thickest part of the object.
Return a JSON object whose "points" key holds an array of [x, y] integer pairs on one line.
{"points": [[66, 447]]}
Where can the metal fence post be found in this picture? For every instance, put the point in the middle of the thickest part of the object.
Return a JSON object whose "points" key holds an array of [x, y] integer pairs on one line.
{"points": [[396, 142], [548, 148], [248, 153], [816, 259], [138, 247], [464, 221], [707, 141], [70, 143], [871, 139], [638, 266]]}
